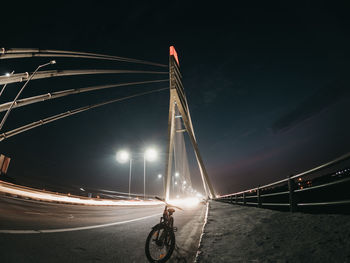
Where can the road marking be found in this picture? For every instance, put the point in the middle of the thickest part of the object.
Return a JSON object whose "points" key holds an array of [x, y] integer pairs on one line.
{"points": [[15, 231]]}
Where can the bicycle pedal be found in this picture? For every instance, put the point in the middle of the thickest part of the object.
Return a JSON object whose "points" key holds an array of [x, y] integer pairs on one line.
{"points": [[175, 229]]}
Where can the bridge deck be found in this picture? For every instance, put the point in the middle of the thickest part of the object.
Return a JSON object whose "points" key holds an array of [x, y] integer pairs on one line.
{"points": [[41, 232], [248, 234]]}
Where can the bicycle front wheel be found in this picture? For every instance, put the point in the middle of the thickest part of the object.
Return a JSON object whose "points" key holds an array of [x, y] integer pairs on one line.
{"points": [[160, 244]]}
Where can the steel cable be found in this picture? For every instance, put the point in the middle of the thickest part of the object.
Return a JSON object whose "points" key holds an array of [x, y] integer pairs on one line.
{"points": [[35, 124], [34, 52], [19, 77], [62, 93]]}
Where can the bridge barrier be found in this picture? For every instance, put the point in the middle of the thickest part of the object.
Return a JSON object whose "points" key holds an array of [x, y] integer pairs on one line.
{"points": [[322, 189]]}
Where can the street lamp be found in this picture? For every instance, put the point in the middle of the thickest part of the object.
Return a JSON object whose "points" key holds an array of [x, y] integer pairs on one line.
{"points": [[19, 93], [161, 176], [122, 157], [149, 155], [7, 75]]}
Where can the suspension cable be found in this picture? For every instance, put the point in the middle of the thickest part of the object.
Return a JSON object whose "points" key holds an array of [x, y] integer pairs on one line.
{"points": [[19, 77], [62, 93], [35, 124], [34, 52]]}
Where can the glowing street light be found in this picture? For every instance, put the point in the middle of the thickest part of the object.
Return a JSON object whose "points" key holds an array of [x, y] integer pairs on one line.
{"points": [[149, 155], [122, 157], [177, 174], [7, 75], [19, 93]]}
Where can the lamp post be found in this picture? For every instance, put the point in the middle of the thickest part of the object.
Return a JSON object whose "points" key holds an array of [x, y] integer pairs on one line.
{"points": [[122, 157], [149, 155], [19, 93], [161, 176]]}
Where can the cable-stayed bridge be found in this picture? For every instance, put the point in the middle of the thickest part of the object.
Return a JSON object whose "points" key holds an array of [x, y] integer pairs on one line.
{"points": [[31, 212], [179, 115], [110, 225]]}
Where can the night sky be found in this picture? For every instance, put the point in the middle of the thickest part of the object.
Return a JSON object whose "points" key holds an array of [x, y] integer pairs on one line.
{"points": [[267, 85]]}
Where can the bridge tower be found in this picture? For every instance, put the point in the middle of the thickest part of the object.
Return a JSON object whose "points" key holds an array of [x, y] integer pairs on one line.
{"points": [[178, 103]]}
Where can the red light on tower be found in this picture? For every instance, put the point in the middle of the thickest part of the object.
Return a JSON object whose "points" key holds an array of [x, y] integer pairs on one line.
{"points": [[173, 53]]}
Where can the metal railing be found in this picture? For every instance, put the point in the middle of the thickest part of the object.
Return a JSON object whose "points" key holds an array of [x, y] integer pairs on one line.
{"points": [[297, 192]]}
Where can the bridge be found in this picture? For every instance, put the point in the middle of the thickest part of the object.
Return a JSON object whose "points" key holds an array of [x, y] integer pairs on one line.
{"points": [[110, 225]]}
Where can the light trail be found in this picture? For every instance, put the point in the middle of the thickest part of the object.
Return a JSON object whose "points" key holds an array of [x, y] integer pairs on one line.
{"points": [[36, 194], [187, 202]]}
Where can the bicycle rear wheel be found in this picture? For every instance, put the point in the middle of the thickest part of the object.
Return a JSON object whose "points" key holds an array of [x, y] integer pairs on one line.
{"points": [[160, 244]]}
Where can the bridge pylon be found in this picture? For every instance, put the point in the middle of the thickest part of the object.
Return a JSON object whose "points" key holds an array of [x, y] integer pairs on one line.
{"points": [[178, 101]]}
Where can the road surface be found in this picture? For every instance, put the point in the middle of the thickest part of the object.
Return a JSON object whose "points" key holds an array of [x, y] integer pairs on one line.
{"points": [[34, 231]]}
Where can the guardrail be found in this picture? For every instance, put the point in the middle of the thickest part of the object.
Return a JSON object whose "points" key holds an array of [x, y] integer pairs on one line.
{"points": [[301, 191]]}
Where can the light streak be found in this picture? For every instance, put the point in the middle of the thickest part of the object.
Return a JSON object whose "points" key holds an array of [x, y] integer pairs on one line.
{"points": [[71, 199], [184, 202]]}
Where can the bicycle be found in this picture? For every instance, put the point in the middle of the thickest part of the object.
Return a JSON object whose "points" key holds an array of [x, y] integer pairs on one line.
{"points": [[160, 242]]}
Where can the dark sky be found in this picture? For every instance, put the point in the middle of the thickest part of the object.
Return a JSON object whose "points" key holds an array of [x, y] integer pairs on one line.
{"points": [[267, 85]]}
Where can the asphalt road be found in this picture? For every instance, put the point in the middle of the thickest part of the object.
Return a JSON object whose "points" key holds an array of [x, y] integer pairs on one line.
{"points": [[34, 231]]}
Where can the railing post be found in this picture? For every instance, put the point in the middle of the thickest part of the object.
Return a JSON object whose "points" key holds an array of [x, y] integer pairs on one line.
{"points": [[259, 197], [292, 199], [236, 199], [231, 200], [244, 202]]}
